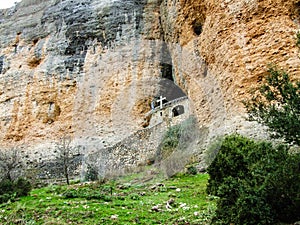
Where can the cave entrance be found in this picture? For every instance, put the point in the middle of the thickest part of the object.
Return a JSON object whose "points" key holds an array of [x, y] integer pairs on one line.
{"points": [[197, 29], [167, 84], [166, 71]]}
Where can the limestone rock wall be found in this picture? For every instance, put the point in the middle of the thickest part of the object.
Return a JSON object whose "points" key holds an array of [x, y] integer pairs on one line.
{"points": [[91, 68], [228, 45], [75, 67]]}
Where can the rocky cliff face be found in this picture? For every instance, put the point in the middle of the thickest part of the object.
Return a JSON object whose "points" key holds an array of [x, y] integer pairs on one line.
{"points": [[76, 67], [90, 68]]}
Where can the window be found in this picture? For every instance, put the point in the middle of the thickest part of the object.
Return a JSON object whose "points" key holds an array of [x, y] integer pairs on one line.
{"points": [[178, 110]]}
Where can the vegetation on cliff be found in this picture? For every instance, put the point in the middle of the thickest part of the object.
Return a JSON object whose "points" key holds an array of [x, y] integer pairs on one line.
{"points": [[259, 182], [277, 105]]}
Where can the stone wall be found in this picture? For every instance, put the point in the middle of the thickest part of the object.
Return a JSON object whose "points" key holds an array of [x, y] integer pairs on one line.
{"points": [[137, 149]]}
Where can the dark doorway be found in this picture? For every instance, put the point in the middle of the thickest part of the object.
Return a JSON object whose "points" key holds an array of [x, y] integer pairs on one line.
{"points": [[166, 71], [178, 110]]}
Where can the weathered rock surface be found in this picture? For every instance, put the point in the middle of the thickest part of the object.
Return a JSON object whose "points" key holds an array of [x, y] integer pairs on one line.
{"points": [[90, 68]]}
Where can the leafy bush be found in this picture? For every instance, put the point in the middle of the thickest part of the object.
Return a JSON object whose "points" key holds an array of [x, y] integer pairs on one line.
{"points": [[134, 196], [230, 161], [192, 170], [256, 183], [6, 186], [169, 143], [72, 193], [9, 190], [22, 187], [276, 104], [175, 163], [86, 193], [177, 146], [6, 197]]}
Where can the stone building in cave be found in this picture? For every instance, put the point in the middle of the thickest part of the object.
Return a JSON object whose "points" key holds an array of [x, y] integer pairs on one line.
{"points": [[172, 112], [171, 105]]}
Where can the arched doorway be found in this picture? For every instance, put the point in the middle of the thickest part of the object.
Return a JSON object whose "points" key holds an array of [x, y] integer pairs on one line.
{"points": [[177, 111]]}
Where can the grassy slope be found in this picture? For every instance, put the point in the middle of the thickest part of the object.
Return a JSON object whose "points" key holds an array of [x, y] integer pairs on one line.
{"points": [[131, 202]]}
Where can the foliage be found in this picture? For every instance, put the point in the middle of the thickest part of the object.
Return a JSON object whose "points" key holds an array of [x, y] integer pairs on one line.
{"points": [[175, 163], [277, 105], [9, 190], [177, 146], [84, 193], [192, 170], [22, 187], [10, 163], [130, 205], [169, 142], [256, 182], [178, 138]]}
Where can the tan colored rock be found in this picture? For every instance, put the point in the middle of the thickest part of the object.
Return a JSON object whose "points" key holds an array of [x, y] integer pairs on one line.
{"points": [[90, 69]]}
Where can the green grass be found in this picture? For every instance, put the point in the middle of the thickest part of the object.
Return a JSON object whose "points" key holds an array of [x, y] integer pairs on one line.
{"points": [[129, 200]]}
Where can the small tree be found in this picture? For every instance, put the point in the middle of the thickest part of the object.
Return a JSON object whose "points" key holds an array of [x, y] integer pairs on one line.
{"points": [[277, 105], [65, 154], [10, 160]]}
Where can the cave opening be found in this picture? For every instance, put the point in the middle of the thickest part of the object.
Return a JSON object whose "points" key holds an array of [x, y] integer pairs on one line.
{"points": [[167, 71], [168, 88], [197, 27]]}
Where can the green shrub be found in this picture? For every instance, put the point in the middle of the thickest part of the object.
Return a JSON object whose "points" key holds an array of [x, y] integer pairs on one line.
{"points": [[192, 170], [256, 183], [241, 203], [177, 146], [9, 190], [283, 189], [6, 186], [276, 105], [169, 143], [175, 163], [134, 196], [22, 187], [6, 197], [72, 193], [230, 161], [86, 193]]}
